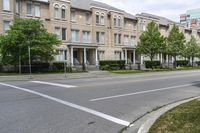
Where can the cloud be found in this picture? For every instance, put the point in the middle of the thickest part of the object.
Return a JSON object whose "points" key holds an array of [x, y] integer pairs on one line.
{"points": [[166, 8]]}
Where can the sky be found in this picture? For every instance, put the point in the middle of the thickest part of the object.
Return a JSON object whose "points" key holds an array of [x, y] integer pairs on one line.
{"points": [[166, 8]]}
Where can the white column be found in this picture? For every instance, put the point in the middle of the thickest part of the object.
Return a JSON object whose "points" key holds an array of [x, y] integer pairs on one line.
{"points": [[72, 56], [141, 59], [85, 56], [167, 58], [134, 58], [122, 54], [96, 52], [161, 58], [126, 56]]}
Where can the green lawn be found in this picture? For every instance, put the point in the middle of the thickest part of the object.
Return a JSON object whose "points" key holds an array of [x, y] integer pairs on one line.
{"points": [[155, 70], [182, 119]]}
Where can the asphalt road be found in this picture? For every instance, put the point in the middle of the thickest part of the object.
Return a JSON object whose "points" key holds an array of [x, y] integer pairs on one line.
{"points": [[95, 105]]}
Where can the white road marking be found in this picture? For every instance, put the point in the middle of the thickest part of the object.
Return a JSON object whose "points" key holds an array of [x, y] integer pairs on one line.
{"points": [[90, 111], [141, 92], [53, 84]]}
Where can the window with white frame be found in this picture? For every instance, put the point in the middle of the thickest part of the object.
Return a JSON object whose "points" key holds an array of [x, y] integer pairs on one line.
{"points": [[75, 35], [119, 21], [63, 12], [6, 25], [87, 17], [115, 21], [97, 18], [17, 6], [37, 10], [73, 15], [86, 36], [101, 55], [29, 8], [58, 32], [6, 5], [64, 34], [100, 37], [115, 38], [133, 40], [117, 55], [119, 38], [102, 19], [126, 40], [56, 11]]}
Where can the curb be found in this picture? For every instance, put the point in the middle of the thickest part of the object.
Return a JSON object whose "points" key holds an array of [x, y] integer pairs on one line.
{"points": [[152, 117]]}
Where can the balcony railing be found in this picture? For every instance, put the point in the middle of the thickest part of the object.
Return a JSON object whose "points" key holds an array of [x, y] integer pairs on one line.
{"points": [[130, 44]]}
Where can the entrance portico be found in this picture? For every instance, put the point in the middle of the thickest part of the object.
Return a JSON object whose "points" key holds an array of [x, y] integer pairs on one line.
{"points": [[83, 55], [129, 55]]}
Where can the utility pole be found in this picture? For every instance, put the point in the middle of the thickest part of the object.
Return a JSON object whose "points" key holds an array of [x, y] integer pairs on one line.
{"points": [[29, 54]]}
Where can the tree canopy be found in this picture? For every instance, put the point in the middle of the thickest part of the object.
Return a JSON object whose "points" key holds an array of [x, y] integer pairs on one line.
{"points": [[175, 43], [23, 33], [151, 41], [192, 49]]}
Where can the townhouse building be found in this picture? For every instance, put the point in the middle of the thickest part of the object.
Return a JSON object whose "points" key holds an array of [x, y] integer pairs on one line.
{"points": [[90, 31]]}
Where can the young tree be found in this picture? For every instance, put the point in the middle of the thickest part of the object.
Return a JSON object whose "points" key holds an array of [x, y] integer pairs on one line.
{"points": [[192, 49], [151, 42], [175, 43], [22, 34]]}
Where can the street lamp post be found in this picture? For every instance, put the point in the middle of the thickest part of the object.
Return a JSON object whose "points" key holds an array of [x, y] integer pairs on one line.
{"points": [[29, 55]]}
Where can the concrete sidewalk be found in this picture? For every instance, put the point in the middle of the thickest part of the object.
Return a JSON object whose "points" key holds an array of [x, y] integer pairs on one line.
{"points": [[92, 74]]}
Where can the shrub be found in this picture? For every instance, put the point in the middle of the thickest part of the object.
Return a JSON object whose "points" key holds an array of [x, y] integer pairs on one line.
{"points": [[152, 64], [112, 64], [58, 66], [198, 63], [182, 63]]}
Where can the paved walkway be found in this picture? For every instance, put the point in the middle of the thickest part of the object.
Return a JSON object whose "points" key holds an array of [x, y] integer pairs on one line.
{"points": [[92, 74]]}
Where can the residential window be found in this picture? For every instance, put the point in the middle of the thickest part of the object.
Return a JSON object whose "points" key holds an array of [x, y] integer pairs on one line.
{"points": [[86, 36], [115, 21], [61, 55], [73, 16], [57, 32], [64, 34], [133, 39], [119, 38], [63, 12], [6, 5], [6, 25], [126, 40], [75, 35], [117, 55], [56, 11], [143, 27], [29, 8], [102, 19], [17, 6], [125, 22], [101, 55], [97, 18], [115, 38], [119, 22], [98, 37], [37, 10], [87, 18]]}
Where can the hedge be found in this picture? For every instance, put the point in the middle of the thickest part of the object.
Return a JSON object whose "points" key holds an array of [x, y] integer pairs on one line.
{"points": [[112, 64], [198, 63], [182, 63], [154, 64]]}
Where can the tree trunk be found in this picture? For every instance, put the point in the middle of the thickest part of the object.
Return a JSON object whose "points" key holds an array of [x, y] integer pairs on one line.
{"points": [[192, 61], [152, 64], [175, 64]]}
